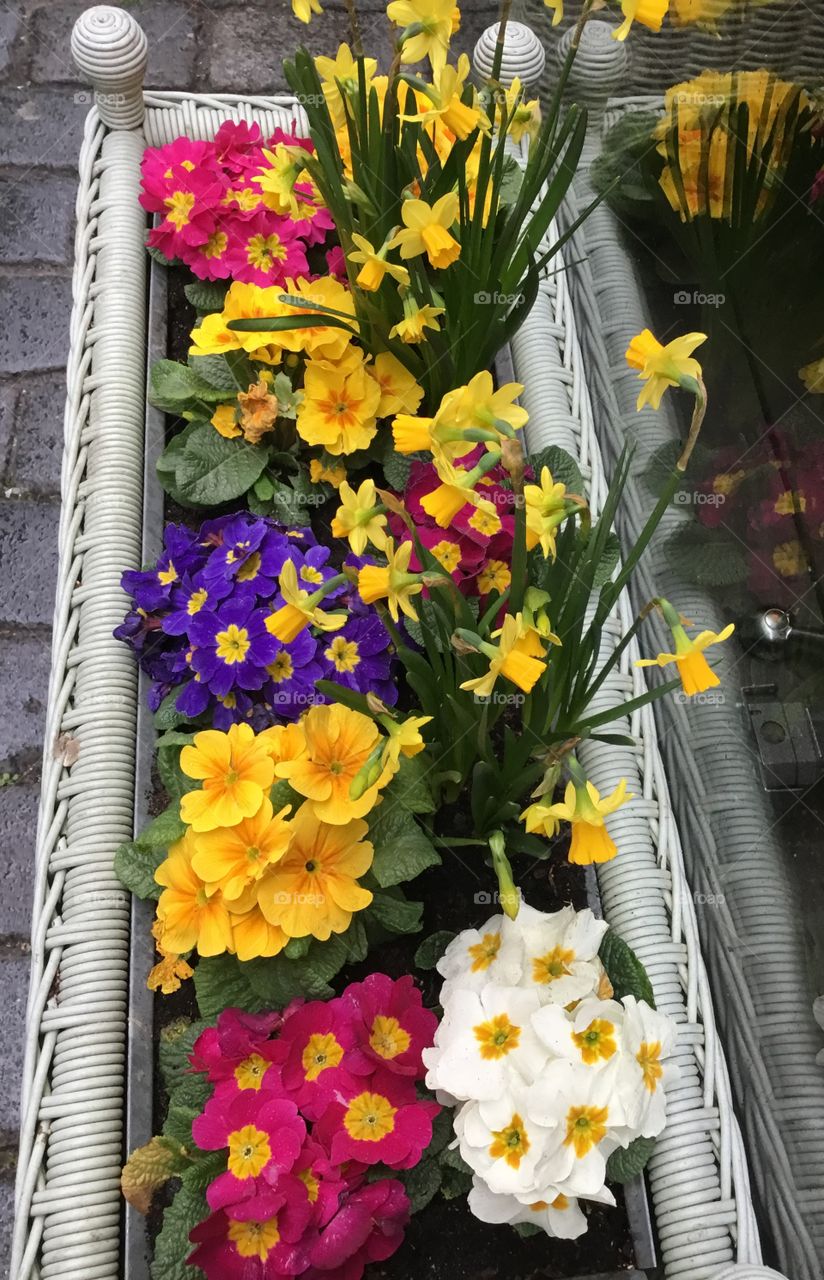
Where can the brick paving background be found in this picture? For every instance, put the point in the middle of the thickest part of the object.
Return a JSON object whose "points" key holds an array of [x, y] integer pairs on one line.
{"points": [[232, 45]]}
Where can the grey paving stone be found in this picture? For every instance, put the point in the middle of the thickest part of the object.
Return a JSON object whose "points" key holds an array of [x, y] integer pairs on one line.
{"points": [[38, 434], [37, 218], [8, 394], [9, 30], [237, 59], [41, 127], [35, 332], [14, 985], [6, 1223], [18, 828], [170, 29], [25, 658], [28, 553]]}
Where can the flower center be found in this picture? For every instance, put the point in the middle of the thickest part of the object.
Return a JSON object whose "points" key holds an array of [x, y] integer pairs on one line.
{"points": [[585, 1127], [597, 1041], [510, 1143], [388, 1038], [249, 1073], [648, 1059], [233, 644], [322, 1050], [254, 1239], [249, 1152], [369, 1117], [497, 1037], [485, 951], [555, 964], [343, 654]]}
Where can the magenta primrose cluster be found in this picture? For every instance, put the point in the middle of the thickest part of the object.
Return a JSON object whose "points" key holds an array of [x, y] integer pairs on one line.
{"points": [[306, 1103]]}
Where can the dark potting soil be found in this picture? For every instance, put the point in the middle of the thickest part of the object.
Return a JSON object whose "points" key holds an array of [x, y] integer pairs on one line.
{"points": [[443, 1240]]}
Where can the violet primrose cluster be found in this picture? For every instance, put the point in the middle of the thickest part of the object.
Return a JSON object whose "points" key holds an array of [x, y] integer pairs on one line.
{"points": [[199, 625], [306, 1104]]}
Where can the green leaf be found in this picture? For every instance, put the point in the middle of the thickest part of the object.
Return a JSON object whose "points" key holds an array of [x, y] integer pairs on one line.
{"points": [[627, 1162], [563, 467], [174, 387], [172, 1246], [206, 295], [185, 1105], [707, 557], [527, 1229], [167, 715], [293, 502], [281, 794], [609, 561], [455, 1183], [231, 372], [163, 830], [167, 759], [174, 1046], [432, 948], [422, 1183], [391, 910], [396, 466], [411, 787], [211, 470], [624, 970], [135, 869], [221, 982], [296, 948], [402, 850]]}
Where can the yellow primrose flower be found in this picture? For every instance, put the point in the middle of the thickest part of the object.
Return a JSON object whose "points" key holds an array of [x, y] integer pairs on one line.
{"points": [[303, 9], [232, 858], [235, 769], [339, 742], [509, 659], [696, 673], [662, 366], [190, 917], [283, 742], [494, 576], [360, 518], [339, 407], [650, 14], [391, 582], [584, 808], [432, 21], [404, 739], [415, 320], [326, 472], [253, 936], [225, 422], [167, 975], [321, 341], [426, 230], [545, 510], [314, 890], [342, 72], [525, 116], [538, 820], [399, 390], [442, 100], [259, 410], [299, 608], [211, 336], [375, 265]]}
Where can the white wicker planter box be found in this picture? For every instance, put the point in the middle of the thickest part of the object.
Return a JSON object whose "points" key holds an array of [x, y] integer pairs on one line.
{"points": [[69, 1211]]}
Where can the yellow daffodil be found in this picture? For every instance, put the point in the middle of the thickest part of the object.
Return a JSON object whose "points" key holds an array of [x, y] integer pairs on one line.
{"points": [[303, 9], [224, 421], [538, 820], [443, 100], [426, 230], [457, 490], [339, 741], [341, 73], [415, 321], [525, 117], [391, 582], [300, 608], [375, 264], [513, 657], [190, 917], [339, 407], [557, 9], [314, 890], [327, 473], [230, 859], [649, 13], [696, 673], [286, 166], [431, 25], [400, 393], [662, 366], [360, 517], [235, 769], [403, 739], [585, 810], [545, 510]]}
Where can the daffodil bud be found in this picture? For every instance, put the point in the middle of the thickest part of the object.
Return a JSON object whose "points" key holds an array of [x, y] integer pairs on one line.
{"points": [[508, 893]]}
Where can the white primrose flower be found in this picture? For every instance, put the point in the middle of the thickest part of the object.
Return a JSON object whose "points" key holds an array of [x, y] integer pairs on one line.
{"points": [[501, 1143], [557, 953], [648, 1039], [560, 1217], [484, 1042], [584, 1110], [473, 959], [588, 1035]]}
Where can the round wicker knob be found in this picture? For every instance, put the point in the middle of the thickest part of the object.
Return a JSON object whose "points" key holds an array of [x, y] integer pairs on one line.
{"points": [[600, 66], [523, 55], [111, 50]]}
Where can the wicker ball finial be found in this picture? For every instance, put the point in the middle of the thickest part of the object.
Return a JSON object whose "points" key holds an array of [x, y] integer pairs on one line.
{"points": [[110, 49], [523, 55], [600, 67]]}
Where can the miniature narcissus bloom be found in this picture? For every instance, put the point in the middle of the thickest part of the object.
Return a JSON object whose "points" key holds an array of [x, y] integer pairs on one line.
{"points": [[443, 100], [313, 891], [360, 517], [546, 508], [662, 366], [426, 230], [340, 77], [376, 265], [235, 769], [430, 24], [585, 809], [514, 657], [416, 320], [392, 582], [403, 739], [649, 13], [300, 608], [696, 673], [303, 9]]}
